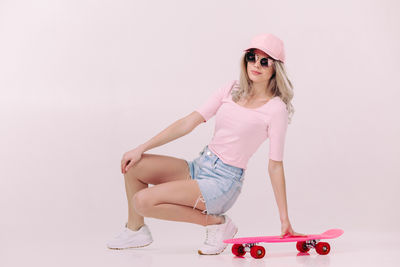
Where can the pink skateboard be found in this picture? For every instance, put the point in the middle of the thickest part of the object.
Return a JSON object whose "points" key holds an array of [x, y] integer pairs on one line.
{"points": [[304, 243]]}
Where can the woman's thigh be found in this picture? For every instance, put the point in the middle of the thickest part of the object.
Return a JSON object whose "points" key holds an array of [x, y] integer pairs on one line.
{"points": [[157, 169], [185, 193]]}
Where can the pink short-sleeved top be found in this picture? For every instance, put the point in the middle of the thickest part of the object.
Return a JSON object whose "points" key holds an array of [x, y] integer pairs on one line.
{"points": [[239, 131]]}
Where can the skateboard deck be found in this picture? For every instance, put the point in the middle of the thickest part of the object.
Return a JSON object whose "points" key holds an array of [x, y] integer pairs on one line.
{"points": [[304, 243]]}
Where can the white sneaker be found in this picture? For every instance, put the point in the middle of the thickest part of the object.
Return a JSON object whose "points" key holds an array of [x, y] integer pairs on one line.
{"points": [[215, 235], [131, 239]]}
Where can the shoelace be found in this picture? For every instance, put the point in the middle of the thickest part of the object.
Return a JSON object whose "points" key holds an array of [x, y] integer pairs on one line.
{"points": [[211, 236], [121, 233]]}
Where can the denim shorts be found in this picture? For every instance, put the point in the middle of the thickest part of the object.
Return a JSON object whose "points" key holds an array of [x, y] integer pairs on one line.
{"points": [[220, 183]]}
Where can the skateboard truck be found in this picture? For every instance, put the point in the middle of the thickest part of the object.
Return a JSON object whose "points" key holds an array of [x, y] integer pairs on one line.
{"points": [[247, 247], [255, 250], [311, 243]]}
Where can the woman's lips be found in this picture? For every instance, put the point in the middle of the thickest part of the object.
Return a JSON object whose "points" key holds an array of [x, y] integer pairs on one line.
{"points": [[255, 72]]}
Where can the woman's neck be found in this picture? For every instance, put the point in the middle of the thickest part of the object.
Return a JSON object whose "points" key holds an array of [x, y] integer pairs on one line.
{"points": [[259, 91]]}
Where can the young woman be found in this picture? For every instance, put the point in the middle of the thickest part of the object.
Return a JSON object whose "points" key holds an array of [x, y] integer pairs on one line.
{"points": [[247, 112]]}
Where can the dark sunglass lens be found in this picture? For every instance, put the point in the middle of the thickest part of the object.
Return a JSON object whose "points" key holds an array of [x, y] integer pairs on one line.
{"points": [[250, 57], [264, 62]]}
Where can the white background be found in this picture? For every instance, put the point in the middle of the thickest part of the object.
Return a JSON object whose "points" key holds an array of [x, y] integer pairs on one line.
{"points": [[82, 82]]}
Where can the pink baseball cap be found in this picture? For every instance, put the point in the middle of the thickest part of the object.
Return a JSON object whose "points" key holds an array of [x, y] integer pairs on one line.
{"points": [[270, 44]]}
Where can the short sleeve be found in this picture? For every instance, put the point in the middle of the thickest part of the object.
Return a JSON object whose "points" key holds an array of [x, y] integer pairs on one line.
{"points": [[209, 108], [277, 133]]}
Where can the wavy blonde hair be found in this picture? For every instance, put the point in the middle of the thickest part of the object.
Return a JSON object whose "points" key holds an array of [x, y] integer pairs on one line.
{"points": [[279, 85]]}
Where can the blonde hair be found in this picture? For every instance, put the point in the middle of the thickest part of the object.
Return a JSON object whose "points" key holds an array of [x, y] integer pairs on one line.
{"points": [[279, 85]]}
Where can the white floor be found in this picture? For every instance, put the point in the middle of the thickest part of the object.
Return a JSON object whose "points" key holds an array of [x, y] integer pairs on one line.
{"points": [[351, 249]]}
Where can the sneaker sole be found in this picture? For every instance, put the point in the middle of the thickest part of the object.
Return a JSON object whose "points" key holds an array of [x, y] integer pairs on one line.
{"points": [[201, 253], [131, 247]]}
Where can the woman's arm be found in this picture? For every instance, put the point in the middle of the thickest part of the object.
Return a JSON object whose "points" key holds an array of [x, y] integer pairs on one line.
{"points": [[177, 129], [277, 176]]}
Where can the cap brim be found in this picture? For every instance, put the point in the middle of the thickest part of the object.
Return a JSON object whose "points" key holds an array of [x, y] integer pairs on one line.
{"points": [[252, 47]]}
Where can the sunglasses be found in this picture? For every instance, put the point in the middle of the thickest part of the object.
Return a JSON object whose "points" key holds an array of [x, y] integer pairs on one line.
{"points": [[253, 57]]}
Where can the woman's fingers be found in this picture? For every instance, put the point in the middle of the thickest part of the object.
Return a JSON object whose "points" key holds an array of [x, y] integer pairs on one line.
{"points": [[127, 167], [128, 164], [292, 234], [130, 158], [123, 165], [298, 234]]}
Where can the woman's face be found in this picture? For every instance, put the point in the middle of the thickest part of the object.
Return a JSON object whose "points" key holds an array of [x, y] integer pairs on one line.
{"points": [[258, 73]]}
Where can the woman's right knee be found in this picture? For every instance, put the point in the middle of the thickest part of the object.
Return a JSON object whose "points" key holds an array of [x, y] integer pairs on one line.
{"points": [[133, 175], [136, 170]]}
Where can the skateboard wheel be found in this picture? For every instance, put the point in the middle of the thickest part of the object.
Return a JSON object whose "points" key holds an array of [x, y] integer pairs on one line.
{"points": [[301, 246], [322, 248], [238, 250], [257, 252]]}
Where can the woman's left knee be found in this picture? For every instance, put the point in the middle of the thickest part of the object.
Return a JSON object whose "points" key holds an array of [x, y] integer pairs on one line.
{"points": [[142, 202]]}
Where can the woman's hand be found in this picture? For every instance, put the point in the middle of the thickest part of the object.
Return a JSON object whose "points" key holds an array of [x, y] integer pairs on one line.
{"points": [[286, 229], [130, 158]]}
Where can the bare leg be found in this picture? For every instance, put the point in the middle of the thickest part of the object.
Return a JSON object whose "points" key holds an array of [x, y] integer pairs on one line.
{"points": [[159, 169], [173, 201], [132, 185]]}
